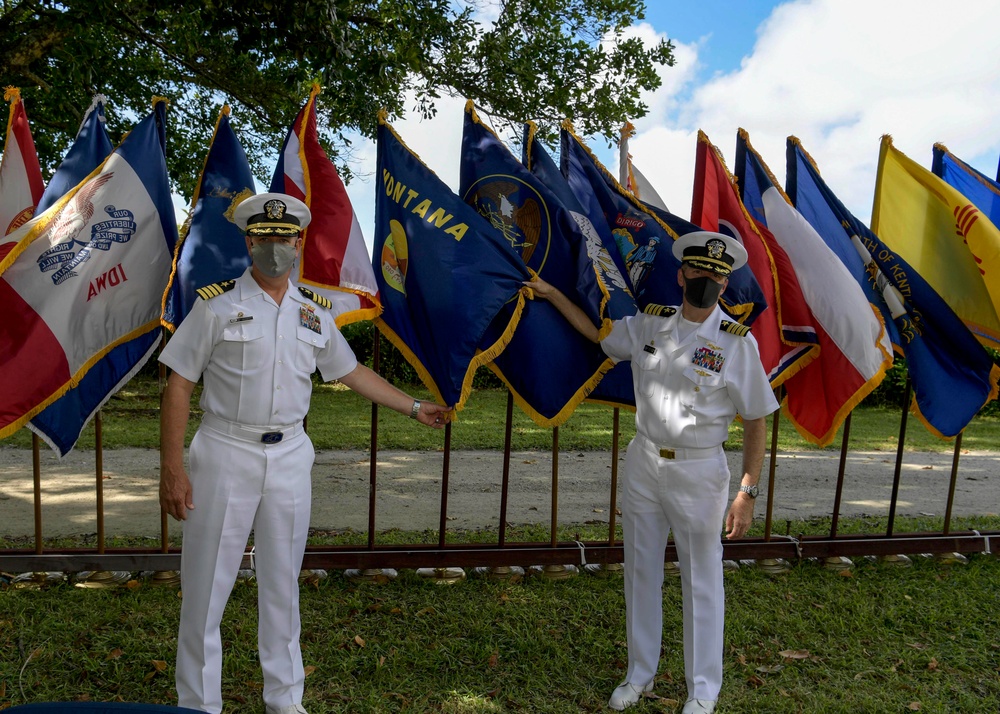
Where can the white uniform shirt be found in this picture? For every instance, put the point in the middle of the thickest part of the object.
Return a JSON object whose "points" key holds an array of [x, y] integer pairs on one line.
{"points": [[687, 393], [257, 358]]}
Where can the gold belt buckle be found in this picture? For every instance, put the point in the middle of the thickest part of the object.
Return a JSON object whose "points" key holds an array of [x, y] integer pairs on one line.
{"points": [[666, 453]]}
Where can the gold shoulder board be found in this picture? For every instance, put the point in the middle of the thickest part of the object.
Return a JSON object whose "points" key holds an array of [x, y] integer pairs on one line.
{"points": [[735, 328], [660, 310], [318, 299], [215, 289]]}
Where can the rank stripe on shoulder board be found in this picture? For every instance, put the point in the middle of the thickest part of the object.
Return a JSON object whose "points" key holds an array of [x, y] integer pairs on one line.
{"points": [[660, 310], [734, 328], [215, 289], [318, 299]]}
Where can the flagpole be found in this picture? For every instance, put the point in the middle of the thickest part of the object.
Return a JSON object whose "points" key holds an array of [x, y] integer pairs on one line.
{"points": [[772, 565], [100, 578], [40, 578], [554, 571], [839, 562], [952, 557], [444, 575], [504, 572], [611, 568], [372, 575], [164, 577], [898, 559]]}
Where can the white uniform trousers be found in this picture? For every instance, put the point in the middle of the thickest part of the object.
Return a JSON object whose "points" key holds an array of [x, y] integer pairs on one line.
{"points": [[688, 497], [239, 486]]}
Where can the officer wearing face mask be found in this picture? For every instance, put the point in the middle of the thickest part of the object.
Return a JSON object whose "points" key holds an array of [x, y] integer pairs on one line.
{"points": [[693, 372], [256, 341]]}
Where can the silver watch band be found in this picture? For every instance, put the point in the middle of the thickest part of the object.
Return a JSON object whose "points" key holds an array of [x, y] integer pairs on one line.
{"points": [[415, 409]]}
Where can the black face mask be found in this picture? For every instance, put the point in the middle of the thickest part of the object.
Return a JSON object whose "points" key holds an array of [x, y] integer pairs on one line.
{"points": [[702, 292]]}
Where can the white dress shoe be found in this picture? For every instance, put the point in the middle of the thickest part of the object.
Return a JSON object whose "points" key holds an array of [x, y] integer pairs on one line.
{"points": [[290, 709], [627, 694], [698, 706]]}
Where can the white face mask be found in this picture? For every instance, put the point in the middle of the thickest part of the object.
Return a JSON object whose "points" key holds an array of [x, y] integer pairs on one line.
{"points": [[273, 259]]}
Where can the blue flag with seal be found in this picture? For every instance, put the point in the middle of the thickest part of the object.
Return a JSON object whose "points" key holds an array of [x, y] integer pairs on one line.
{"points": [[548, 366], [62, 422], [983, 191], [644, 240], [444, 273], [952, 374], [83, 286], [615, 389], [211, 247]]}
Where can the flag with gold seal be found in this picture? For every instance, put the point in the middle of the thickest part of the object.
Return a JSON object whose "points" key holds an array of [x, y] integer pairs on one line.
{"points": [[444, 273]]}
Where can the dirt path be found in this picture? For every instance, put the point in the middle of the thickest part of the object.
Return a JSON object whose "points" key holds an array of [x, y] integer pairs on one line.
{"points": [[409, 488]]}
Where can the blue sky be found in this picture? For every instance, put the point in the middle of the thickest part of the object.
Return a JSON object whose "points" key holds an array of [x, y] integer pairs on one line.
{"points": [[838, 74]]}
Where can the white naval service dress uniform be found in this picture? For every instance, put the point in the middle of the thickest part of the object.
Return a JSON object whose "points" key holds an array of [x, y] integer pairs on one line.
{"points": [[687, 391], [257, 359]]}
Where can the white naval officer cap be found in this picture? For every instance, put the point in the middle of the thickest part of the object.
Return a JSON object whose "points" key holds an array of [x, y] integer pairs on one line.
{"points": [[710, 251], [272, 214]]}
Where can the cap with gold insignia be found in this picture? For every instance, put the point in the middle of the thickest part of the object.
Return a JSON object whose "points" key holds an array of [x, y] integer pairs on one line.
{"points": [[710, 251], [272, 214]]}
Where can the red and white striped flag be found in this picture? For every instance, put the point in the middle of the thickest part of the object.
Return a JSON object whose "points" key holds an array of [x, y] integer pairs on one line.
{"points": [[334, 255], [21, 183]]}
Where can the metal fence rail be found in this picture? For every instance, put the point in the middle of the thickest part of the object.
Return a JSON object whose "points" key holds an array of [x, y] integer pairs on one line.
{"points": [[553, 552]]}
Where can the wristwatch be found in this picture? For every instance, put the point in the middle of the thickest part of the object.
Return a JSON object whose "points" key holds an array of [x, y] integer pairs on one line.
{"points": [[751, 491], [415, 409]]}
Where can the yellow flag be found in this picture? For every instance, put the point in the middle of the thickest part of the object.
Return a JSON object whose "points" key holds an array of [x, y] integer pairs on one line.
{"points": [[943, 236]]}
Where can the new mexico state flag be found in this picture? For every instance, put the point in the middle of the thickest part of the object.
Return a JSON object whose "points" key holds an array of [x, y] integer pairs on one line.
{"points": [[943, 236]]}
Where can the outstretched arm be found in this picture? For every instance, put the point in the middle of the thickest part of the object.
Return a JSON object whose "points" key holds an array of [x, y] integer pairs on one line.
{"points": [[371, 386], [572, 312]]}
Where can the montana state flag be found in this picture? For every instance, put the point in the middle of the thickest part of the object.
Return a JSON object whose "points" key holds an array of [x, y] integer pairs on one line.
{"points": [[952, 375], [444, 273], [86, 276], [943, 236]]}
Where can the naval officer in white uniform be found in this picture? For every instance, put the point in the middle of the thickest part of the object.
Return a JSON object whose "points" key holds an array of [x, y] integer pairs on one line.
{"points": [[693, 372], [256, 341]]}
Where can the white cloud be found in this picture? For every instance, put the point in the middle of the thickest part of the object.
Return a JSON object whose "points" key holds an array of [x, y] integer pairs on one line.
{"points": [[838, 74]]}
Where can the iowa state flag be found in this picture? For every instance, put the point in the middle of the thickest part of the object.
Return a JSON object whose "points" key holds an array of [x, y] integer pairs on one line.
{"points": [[615, 388], [548, 366], [644, 241], [60, 424], [211, 247], [21, 183], [952, 374], [444, 273], [85, 276], [334, 255], [854, 349], [943, 236], [784, 332]]}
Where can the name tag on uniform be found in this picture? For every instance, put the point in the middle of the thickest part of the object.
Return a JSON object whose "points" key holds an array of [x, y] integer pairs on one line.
{"points": [[240, 318], [309, 318], [649, 348]]}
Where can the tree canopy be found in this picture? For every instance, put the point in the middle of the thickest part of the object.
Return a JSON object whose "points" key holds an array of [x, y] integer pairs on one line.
{"points": [[543, 60]]}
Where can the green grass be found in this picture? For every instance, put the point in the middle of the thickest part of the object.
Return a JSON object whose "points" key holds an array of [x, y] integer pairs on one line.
{"points": [[340, 419], [881, 639]]}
